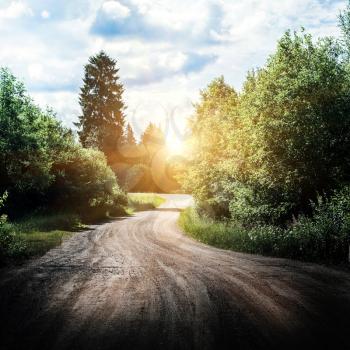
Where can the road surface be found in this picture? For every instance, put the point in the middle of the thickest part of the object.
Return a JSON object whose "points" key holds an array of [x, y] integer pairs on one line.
{"points": [[139, 283]]}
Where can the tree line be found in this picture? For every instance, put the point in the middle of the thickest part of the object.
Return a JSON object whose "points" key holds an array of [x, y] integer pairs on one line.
{"points": [[103, 126], [41, 163], [277, 155], [45, 170]]}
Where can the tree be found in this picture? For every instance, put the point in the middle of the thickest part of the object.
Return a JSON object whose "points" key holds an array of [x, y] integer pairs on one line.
{"points": [[265, 155], [41, 166], [129, 137], [214, 118], [150, 154], [293, 143], [101, 99], [152, 140], [344, 24], [29, 139]]}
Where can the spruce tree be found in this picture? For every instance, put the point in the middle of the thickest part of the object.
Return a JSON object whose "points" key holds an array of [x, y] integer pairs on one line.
{"points": [[129, 136], [153, 136], [101, 99]]}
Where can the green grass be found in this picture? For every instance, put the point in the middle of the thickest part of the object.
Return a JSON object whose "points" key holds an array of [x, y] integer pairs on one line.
{"points": [[208, 231], [35, 235], [144, 201], [38, 243], [323, 238]]}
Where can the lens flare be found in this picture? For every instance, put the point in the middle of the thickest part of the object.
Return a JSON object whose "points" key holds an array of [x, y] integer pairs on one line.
{"points": [[175, 145]]}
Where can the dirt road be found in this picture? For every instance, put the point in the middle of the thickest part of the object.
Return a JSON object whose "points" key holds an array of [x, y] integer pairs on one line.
{"points": [[139, 283]]}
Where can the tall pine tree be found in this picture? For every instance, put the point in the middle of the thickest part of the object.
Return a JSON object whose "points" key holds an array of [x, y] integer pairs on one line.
{"points": [[101, 99], [129, 136], [153, 135]]}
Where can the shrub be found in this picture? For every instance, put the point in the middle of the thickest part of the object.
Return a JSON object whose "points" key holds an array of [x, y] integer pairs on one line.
{"points": [[41, 166], [85, 184], [263, 155], [322, 237], [295, 125], [11, 246]]}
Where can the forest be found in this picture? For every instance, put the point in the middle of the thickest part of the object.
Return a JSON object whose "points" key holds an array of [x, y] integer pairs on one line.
{"points": [[53, 181], [268, 166]]}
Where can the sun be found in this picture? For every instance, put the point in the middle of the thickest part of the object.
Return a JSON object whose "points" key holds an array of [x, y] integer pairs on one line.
{"points": [[175, 145]]}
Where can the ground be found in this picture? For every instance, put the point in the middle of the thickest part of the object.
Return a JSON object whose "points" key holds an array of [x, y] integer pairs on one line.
{"points": [[139, 283]]}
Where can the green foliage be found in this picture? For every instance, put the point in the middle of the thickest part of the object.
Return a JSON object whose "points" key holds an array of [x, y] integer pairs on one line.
{"points": [[38, 243], [295, 126], [90, 189], [11, 246], [262, 159], [102, 121], [41, 166], [323, 237], [47, 222], [29, 140], [42, 232], [262, 156], [214, 117], [344, 24], [144, 201]]}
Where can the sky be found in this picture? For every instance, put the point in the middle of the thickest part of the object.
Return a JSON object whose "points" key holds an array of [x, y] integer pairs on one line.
{"points": [[166, 50]]}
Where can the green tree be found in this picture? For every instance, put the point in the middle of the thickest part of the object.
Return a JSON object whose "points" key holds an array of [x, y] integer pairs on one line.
{"points": [[214, 118], [152, 140], [29, 141], [130, 137], [41, 166], [101, 99], [344, 24], [293, 142]]}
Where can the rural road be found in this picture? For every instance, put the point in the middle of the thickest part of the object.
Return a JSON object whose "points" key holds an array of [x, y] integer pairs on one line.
{"points": [[139, 283]]}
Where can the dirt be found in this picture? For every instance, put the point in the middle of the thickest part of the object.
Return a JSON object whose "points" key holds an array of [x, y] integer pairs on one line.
{"points": [[140, 283]]}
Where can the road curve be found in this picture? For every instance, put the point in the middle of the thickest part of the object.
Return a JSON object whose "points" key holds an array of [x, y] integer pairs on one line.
{"points": [[139, 283]]}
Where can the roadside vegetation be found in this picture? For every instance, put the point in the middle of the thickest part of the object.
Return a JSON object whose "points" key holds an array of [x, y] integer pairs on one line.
{"points": [[144, 201], [321, 237], [33, 235], [40, 233], [51, 184], [270, 165]]}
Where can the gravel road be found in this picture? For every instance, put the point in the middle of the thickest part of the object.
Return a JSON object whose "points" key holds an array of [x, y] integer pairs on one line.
{"points": [[139, 283]]}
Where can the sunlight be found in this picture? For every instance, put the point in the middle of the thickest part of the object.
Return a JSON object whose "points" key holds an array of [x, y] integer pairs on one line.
{"points": [[175, 145]]}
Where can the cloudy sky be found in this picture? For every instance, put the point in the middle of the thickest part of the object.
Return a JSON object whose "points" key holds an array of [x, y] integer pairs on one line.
{"points": [[166, 50]]}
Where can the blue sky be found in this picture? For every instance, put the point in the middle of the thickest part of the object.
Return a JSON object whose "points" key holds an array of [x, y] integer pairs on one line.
{"points": [[166, 50]]}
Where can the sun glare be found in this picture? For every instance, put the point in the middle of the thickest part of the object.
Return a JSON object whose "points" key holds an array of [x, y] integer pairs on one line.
{"points": [[175, 145]]}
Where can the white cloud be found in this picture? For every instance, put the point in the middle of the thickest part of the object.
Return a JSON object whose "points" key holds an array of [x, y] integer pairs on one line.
{"points": [[50, 57], [45, 14], [36, 72], [115, 10], [15, 9]]}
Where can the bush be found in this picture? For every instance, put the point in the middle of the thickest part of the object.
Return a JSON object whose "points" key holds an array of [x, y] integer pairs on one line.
{"points": [[144, 201], [261, 156], [85, 184], [41, 166], [11, 246], [30, 140], [323, 237]]}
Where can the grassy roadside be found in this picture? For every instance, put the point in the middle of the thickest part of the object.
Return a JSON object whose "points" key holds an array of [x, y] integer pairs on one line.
{"points": [[34, 235], [41, 233], [320, 239], [143, 201], [205, 230]]}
